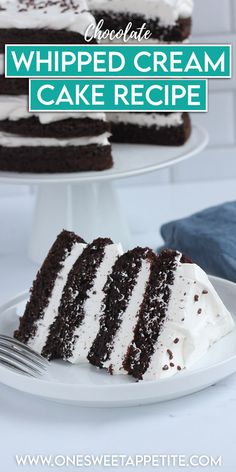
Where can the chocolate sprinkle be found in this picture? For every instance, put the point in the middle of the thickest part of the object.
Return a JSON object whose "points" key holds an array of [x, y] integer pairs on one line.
{"points": [[170, 354], [63, 5]]}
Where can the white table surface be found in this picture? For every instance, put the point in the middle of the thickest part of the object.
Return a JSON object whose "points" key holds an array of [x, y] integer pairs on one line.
{"points": [[203, 423]]}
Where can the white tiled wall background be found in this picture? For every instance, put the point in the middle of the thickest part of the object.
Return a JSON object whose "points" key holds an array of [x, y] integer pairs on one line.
{"points": [[214, 22]]}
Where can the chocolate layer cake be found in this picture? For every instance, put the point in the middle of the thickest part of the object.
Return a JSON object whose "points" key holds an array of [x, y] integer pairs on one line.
{"points": [[146, 315], [47, 142], [168, 20]]}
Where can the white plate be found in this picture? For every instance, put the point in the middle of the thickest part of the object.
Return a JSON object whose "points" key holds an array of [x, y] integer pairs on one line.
{"points": [[129, 160], [85, 386]]}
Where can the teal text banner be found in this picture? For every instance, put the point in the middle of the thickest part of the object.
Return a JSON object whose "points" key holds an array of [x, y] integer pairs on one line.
{"points": [[94, 61], [117, 95]]}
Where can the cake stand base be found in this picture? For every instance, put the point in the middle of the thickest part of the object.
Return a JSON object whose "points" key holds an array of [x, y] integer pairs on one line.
{"points": [[89, 209]]}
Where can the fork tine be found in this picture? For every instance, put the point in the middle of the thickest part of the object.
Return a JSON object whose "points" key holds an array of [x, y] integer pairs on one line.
{"points": [[27, 354], [19, 368], [18, 359], [14, 342]]}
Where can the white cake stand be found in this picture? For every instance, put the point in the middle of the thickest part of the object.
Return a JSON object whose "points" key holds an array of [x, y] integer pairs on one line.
{"points": [[86, 202]]}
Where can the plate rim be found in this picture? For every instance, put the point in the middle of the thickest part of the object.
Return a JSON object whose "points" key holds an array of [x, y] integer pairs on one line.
{"points": [[146, 392]]}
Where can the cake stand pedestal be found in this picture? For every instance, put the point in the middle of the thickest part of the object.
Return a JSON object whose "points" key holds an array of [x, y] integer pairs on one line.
{"points": [[86, 202]]}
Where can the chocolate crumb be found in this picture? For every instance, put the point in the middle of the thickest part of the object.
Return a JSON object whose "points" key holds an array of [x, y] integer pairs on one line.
{"points": [[205, 292], [165, 367], [178, 367], [199, 311], [170, 354], [171, 364], [176, 340], [196, 298]]}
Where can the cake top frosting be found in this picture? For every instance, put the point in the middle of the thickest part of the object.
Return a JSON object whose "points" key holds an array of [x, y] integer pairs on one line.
{"points": [[71, 15], [168, 11]]}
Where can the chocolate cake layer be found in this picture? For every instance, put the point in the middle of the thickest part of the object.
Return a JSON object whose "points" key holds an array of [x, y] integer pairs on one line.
{"points": [[152, 314], [55, 159], [39, 36], [118, 292], [164, 136], [69, 128], [71, 311], [44, 283], [13, 86], [180, 31]]}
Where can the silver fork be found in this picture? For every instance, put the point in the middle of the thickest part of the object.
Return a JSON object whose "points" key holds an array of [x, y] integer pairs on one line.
{"points": [[20, 358]]}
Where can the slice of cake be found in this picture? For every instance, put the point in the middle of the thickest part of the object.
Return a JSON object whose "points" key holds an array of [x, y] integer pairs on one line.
{"points": [[168, 21], [47, 142], [150, 316], [62, 317], [176, 319]]}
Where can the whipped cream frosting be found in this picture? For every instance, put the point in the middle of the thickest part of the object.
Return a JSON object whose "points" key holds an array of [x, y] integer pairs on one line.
{"points": [[147, 119], [86, 333], [51, 311], [195, 320], [168, 11], [13, 140], [16, 107], [43, 14], [125, 333]]}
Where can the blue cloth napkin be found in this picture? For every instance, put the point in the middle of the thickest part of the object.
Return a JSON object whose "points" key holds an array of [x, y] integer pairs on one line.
{"points": [[208, 238]]}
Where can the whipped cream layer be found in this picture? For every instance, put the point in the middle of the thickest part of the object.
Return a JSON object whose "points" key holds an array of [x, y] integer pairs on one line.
{"points": [[2, 64], [14, 108], [125, 334], [86, 333], [158, 120], [43, 14], [195, 320], [50, 313], [14, 141], [168, 11]]}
